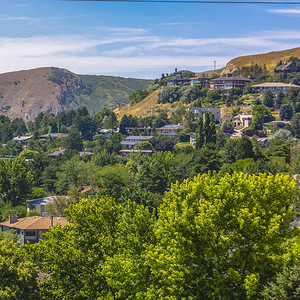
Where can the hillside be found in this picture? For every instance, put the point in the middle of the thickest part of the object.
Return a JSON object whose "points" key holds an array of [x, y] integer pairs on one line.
{"points": [[145, 108], [26, 93], [269, 59]]}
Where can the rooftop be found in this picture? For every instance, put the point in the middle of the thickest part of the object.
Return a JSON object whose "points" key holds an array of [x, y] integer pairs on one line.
{"points": [[41, 201], [232, 78], [275, 84], [139, 137], [54, 135], [20, 138], [171, 126], [36, 223]]}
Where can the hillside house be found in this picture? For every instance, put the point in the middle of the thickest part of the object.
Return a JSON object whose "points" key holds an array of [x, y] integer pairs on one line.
{"points": [[203, 81], [288, 67], [53, 135], [229, 82], [179, 80], [202, 110], [22, 139], [274, 87], [39, 204], [170, 130], [148, 153], [279, 124], [242, 120], [130, 142], [31, 228]]}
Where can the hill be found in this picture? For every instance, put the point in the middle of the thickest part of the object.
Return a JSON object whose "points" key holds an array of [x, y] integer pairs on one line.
{"points": [[270, 60], [145, 108], [26, 93]]}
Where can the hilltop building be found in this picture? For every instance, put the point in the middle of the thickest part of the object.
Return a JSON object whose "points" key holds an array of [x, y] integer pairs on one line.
{"points": [[274, 87], [288, 67], [203, 81], [229, 82]]}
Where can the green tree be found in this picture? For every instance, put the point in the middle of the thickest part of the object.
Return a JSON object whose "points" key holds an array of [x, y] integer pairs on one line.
{"points": [[74, 140], [295, 122], [144, 145], [18, 276], [279, 98], [286, 112], [261, 114], [127, 121], [75, 255], [268, 99], [286, 285], [219, 237], [200, 138], [111, 180]]}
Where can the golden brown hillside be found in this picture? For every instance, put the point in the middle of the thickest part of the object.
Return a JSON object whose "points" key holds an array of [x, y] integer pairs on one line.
{"points": [[269, 59], [145, 108]]}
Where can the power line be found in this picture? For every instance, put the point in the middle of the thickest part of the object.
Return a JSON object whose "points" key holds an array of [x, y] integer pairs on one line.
{"points": [[197, 2]]}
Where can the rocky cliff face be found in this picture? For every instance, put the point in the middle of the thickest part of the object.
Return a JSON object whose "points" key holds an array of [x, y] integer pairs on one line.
{"points": [[26, 93]]}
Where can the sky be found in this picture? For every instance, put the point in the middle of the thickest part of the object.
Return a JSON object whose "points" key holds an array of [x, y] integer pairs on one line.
{"points": [[140, 40]]}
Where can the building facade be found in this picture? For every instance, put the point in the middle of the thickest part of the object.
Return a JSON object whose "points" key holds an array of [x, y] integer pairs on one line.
{"points": [[229, 82], [31, 229], [203, 110], [274, 87]]}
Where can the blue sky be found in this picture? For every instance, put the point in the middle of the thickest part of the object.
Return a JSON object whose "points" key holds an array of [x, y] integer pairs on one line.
{"points": [[139, 40]]}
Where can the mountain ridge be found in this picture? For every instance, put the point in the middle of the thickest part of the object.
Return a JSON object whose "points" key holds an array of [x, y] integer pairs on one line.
{"points": [[49, 89]]}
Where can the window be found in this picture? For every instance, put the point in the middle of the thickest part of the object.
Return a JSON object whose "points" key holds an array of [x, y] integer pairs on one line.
{"points": [[30, 233]]}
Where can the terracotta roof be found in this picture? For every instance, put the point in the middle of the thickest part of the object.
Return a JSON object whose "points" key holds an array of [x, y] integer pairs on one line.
{"points": [[275, 84], [42, 223]]}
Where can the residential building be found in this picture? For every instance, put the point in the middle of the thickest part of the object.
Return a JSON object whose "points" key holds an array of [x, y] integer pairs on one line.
{"points": [[53, 135], [229, 82], [179, 80], [22, 139], [62, 151], [141, 130], [202, 110], [131, 141], [279, 124], [39, 204], [288, 67], [148, 153], [274, 87], [203, 81], [56, 153], [31, 228], [170, 130], [242, 120]]}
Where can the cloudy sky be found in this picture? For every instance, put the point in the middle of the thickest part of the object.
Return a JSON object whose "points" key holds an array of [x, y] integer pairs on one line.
{"points": [[139, 40]]}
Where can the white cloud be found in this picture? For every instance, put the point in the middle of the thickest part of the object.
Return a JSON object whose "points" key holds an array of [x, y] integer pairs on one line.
{"points": [[292, 11], [134, 53]]}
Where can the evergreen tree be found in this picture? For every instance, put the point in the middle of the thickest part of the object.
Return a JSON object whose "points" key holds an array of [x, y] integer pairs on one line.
{"points": [[200, 139], [268, 99], [286, 112]]}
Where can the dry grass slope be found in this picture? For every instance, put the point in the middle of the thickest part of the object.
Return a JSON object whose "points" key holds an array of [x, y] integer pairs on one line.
{"points": [[147, 107]]}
